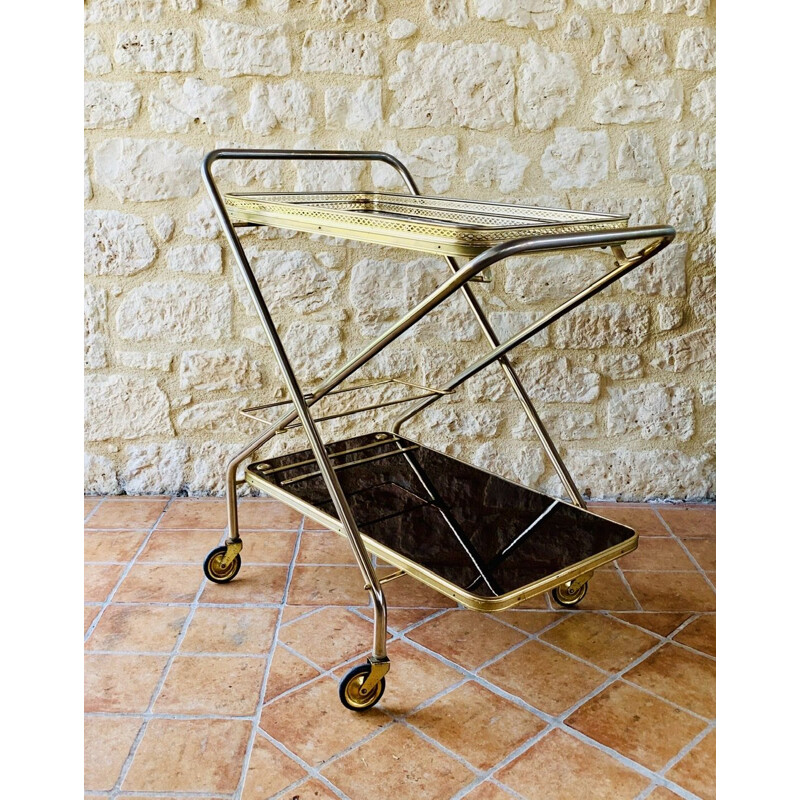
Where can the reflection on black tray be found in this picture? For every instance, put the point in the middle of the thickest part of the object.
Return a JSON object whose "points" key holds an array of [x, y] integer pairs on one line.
{"points": [[472, 528]]}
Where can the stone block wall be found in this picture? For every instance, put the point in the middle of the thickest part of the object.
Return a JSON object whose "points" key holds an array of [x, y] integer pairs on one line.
{"points": [[590, 104]]}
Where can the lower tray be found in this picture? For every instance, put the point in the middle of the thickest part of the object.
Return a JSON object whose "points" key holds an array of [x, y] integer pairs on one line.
{"points": [[485, 541]]}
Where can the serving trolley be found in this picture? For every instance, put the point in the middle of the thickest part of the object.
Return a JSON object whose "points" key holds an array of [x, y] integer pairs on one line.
{"points": [[480, 539]]}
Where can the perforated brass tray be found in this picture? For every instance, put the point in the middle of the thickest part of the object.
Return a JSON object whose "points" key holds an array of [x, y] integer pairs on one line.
{"points": [[415, 222]]}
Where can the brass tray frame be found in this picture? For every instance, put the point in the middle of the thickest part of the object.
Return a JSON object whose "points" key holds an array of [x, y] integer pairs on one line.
{"points": [[486, 232], [415, 222]]}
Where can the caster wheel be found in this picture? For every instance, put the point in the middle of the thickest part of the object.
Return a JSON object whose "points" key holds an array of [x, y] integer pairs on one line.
{"points": [[213, 569], [351, 683], [564, 597]]}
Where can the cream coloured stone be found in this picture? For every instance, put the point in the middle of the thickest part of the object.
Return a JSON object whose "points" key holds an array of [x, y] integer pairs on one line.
{"points": [[432, 88], [704, 99], [565, 424], [664, 274], [170, 50], [275, 6], [193, 5], [641, 209], [123, 10], [682, 149], [329, 176], [697, 49], [707, 151], [576, 159], [708, 394], [577, 27], [611, 58], [95, 59], [703, 296], [401, 28], [653, 410], [147, 169], [202, 221], [380, 291], [489, 385], [216, 416], [451, 321], [95, 315], [175, 107], [206, 474], [110, 105], [496, 166], [125, 407], [521, 463], [435, 160], [508, 323], [383, 176], [687, 203], [346, 52], [603, 325], [357, 110], [286, 104], [692, 8], [155, 468], [669, 317], [548, 84], [228, 5], [637, 159], [627, 6], [447, 14], [639, 101], [95, 351], [520, 13], [641, 475], [621, 366], [164, 226], [463, 422], [115, 243], [550, 278], [196, 258], [234, 49], [644, 48], [99, 475], [179, 311], [314, 349], [88, 192], [695, 350], [244, 173], [341, 10], [554, 379], [210, 370], [137, 360]]}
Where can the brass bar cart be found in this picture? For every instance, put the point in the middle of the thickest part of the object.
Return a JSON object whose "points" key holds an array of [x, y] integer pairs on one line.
{"points": [[478, 538]]}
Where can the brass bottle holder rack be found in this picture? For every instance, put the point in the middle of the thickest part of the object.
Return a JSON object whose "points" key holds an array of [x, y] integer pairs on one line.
{"points": [[484, 541]]}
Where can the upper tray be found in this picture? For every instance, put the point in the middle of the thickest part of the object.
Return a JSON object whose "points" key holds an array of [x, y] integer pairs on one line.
{"points": [[427, 224]]}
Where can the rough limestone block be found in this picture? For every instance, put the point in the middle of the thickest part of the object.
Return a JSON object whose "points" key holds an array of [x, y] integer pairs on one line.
{"points": [[641, 475], [136, 360], [621, 366], [576, 159], [432, 88], [209, 370], [206, 474], [95, 314], [664, 274], [123, 10], [356, 110], [244, 174], [692, 8], [509, 323], [687, 203], [521, 463], [314, 349], [644, 46], [446, 14], [708, 394], [275, 6], [99, 475], [88, 192], [346, 52], [329, 176], [234, 49], [147, 51], [603, 325], [643, 210], [164, 226], [496, 166], [637, 159], [196, 258], [286, 104], [147, 169], [627, 6], [687, 148], [95, 59], [176, 107], [550, 278], [703, 296], [669, 317], [202, 221], [548, 84], [577, 27], [564, 424], [694, 351], [704, 100], [463, 422], [554, 379], [654, 410], [115, 243], [110, 105], [125, 407], [697, 49], [611, 58], [155, 468], [381, 290], [341, 10], [436, 161], [520, 13], [639, 101], [178, 311], [401, 28]]}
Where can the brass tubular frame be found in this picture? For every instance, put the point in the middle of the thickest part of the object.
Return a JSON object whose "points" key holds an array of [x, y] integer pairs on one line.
{"points": [[302, 403]]}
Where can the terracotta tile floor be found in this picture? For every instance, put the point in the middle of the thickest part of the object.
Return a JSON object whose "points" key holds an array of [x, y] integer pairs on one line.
{"points": [[198, 690]]}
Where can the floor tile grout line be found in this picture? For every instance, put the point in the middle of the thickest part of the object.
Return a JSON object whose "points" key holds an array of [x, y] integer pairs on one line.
{"points": [[693, 617], [256, 718], [125, 572], [700, 569], [688, 747], [628, 586]]}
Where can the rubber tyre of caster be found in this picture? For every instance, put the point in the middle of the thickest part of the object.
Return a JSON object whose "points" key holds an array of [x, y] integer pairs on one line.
{"points": [[215, 572], [352, 682], [569, 600]]}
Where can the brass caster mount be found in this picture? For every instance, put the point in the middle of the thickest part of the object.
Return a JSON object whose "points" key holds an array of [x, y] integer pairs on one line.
{"points": [[571, 593], [364, 685], [222, 563]]}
